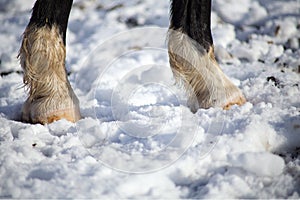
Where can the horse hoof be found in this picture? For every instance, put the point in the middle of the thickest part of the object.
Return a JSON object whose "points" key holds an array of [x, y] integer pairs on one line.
{"points": [[239, 100], [45, 112]]}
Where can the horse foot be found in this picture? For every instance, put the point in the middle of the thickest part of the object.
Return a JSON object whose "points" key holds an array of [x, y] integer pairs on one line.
{"points": [[47, 110]]}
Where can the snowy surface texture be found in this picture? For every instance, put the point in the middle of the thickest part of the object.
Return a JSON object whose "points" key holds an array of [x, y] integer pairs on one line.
{"points": [[137, 138]]}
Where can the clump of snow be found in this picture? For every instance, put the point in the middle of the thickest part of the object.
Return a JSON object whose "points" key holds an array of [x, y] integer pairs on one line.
{"points": [[137, 138], [262, 164], [245, 12]]}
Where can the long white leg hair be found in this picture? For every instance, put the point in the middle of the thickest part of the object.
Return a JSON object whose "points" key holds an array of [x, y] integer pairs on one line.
{"points": [[191, 55], [42, 57]]}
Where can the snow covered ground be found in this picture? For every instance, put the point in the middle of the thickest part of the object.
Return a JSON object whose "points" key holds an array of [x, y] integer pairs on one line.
{"points": [[137, 138]]}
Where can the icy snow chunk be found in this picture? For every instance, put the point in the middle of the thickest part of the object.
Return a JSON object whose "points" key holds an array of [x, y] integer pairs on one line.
{"points": [[286, 29], [241, 12], [275, 51], [262, 164], [145, 185], [61, 127], [253, 51], [90, 133], [223, 34], [227, 187], [262, 136]]}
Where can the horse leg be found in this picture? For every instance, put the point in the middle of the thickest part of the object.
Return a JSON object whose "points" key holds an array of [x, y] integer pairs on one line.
{"points": [[42, 57], [191, 55]]}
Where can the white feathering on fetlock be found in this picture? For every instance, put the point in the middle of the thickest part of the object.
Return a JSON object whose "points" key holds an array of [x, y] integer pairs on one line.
{"points": [[42, 57], [199, 73]]}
